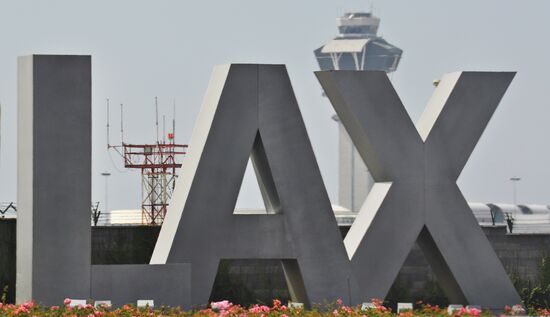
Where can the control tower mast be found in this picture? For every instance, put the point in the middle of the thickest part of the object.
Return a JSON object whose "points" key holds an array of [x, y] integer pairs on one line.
{"points": [[356, 47]]}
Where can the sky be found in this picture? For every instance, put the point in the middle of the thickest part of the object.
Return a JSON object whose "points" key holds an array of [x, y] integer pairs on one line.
{"points": [[143, 49]]}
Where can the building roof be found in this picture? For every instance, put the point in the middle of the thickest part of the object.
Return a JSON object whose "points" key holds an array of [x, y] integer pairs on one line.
{"points": [[345, 46], [524, 219]]}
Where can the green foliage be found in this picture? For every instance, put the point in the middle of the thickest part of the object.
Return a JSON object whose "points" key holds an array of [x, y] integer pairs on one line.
{"points": [[537, 296], [544, 271], [4, 296]]}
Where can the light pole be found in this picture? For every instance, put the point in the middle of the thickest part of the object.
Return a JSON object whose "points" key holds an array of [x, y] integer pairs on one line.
{"points": [[106, 175], [514, 181]]}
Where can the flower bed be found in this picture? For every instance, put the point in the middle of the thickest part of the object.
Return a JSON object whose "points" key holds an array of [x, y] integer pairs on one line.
{"points": [[226, 309]]}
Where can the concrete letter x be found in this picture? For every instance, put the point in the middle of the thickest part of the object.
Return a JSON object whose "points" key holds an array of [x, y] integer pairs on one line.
{"points": [[415, 197]]}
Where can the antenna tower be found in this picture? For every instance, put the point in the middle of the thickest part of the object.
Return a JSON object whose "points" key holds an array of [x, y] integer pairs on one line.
{"points": [[158, 163]]}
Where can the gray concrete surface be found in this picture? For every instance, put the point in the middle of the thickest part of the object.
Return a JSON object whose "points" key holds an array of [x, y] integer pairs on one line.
{"points": [[415, 169], [250, 110], [122, 284], [54, 178], [264, 280], [54, 195]]}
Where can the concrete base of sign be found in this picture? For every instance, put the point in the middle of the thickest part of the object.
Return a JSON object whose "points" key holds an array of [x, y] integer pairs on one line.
{"points": [[122, 284]]}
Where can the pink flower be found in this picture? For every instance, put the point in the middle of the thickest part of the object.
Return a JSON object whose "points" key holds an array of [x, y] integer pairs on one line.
{"points": [[382, 308], [67, 301], [255, 309], [54, 307], [335, 312], [28, 304], [284, 315], [21, 309], [475, 312], [339, 302], [126, 307], [284, 308], [276, 303]]}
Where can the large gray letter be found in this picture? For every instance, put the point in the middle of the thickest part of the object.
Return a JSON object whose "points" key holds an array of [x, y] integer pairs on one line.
{"points": [[415, 196], [54, 151], [54, 194], [250, 110]]}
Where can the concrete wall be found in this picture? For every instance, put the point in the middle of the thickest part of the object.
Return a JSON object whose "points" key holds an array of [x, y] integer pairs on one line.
{"points": [[261, 280], [7, 258], [520, 255], [123, 244]]}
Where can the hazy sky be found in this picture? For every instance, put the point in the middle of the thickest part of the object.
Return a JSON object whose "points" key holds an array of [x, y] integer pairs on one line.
{"points": [[142, 49]]}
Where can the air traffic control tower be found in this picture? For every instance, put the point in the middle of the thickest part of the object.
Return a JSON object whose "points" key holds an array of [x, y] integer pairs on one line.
{"points": [[357, 47]]}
